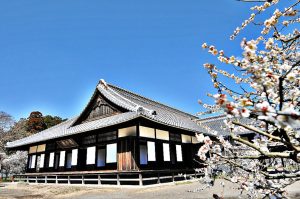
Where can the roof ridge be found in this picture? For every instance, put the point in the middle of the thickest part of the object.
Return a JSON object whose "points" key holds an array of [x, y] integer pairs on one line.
{"points": [[211, 117], [151, 100]]}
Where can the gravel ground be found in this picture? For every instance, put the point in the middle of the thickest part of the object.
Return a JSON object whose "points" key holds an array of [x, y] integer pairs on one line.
{"points": [[178, 190]]}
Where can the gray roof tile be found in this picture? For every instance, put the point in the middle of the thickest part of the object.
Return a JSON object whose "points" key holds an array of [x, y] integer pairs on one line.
{"points": [[216, 123], [138, 106]]}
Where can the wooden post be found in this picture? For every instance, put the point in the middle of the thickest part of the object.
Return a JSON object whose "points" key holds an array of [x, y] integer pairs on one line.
{"points": [[140, 179], [27, 179], [82, 180], [56, 182], [99, 180], [173, 178], [158, 178], [69, 179], [45, 179], [118, 179], [36, 181]]}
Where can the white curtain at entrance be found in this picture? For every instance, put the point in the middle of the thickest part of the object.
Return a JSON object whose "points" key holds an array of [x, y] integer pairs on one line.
{"points": [[74, 157], [91, 155], [51, 160], [166, 150], [151, 151], [32, 163], [111, 153], [178, 153], [42, 160], [62, 158]]}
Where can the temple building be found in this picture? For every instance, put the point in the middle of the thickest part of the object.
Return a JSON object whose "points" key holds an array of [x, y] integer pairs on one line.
{"points": [[119, 138]]}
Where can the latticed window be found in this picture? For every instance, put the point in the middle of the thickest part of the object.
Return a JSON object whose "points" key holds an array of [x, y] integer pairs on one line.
{"points": [[50, 146], [175, 137], [67, 143], [108, 136], [91, 139]]}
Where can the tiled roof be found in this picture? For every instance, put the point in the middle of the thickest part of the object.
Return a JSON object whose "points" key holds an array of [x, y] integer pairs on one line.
{"points": [[216, 123], [151, 109], [138, 106], [66, 129]]}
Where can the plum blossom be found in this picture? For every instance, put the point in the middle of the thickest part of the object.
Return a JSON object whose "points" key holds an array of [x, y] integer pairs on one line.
{"points": [[246, 102], [245, 112], [265, 102], [265, 108], [200, 137]]}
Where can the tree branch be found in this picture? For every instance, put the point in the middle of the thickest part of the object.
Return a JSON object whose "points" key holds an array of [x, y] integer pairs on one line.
{"points": [[257, 148], [288, 143]]}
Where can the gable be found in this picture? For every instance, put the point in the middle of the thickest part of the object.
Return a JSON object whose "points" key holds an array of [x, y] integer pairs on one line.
{"points": [[98, 107]]}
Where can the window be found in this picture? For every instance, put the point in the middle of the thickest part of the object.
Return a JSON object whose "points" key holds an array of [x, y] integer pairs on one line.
{"points": [[91, 139], [32, 162], [166, 150], [51, 160], [32, 149], [147, 132], [67, 143], [111, 153], [151, 151], [74, 157], [41, 148], [91, 155], [186, 138], [42, 160], [178, 153], [69, 160], [62, 158], [162, 135], [50, 146], [29, 161], [175, 137], [129, 131], [102, 137], [143, 154], [101, 158]]}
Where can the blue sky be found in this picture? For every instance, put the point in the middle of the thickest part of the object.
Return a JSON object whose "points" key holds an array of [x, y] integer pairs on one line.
{"points": [[53, 53]]}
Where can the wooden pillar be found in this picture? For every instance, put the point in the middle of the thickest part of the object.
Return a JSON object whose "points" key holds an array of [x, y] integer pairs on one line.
{"points": [[173, 178], [45, 179], [82, 180], [99, 180], [56, 182], [158, 178], [118, 179], [69, 179], [140, 179], [36, 181]]}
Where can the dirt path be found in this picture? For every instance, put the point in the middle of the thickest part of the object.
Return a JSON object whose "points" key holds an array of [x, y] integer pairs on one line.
{"points": [[175, 191]]}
